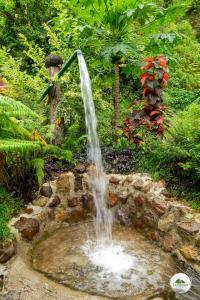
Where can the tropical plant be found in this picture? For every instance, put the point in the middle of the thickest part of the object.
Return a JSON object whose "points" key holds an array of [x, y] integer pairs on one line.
{"points": [[176, 157], [150, 116], [117, 25]]}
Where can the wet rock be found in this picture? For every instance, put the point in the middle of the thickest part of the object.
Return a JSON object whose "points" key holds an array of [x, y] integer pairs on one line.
{"points": [[74, 200], [41, 201], [80, 168], [88, 201], [55, 201], [153, 235], [139, 199], [189, 227], [167, 221], [112, 199], [129, 178], [138, 184], [148, 185], [131, 206], [139, 224], [159, 206], [28, 210], [189, 252], [123, 216], [28, 227], [75, 214], [123, 197], [60, 215], [114, 180], [150, 219], [65, 183], [6, 252], [46, 190], [171, 240]]}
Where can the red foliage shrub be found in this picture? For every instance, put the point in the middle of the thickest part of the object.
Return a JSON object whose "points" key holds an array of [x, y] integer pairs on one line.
{"points": [[150, 116]]}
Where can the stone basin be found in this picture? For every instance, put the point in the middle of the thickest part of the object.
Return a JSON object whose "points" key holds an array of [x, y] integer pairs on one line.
{"points": [[60, 256]]}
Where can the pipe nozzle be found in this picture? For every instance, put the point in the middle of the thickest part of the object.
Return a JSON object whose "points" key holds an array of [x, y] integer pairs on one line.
{"points": [[78, 52]]}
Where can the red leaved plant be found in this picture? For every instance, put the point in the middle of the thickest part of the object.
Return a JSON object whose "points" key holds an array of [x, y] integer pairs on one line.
{"points": [[150, 116]]}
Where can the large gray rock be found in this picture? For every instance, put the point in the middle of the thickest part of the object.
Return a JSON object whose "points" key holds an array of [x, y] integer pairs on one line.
{"points": [[46, 190]]}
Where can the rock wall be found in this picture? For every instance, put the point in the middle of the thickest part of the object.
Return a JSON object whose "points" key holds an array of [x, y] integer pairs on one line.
{"points": [[134, 199]]}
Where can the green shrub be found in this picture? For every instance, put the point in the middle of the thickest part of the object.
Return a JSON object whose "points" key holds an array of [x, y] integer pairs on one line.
{"points": [[177, 157], [8, 207], [177, 98]]}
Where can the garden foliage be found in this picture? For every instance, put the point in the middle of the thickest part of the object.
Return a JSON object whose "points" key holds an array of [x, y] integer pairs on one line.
{"points": [[150, 116]]}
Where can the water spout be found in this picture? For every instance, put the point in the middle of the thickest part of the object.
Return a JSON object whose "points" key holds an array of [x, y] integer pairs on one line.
{"points": [[97, 179]]}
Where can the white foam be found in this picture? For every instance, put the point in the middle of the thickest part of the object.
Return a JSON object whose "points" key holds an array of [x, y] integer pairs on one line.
{"points": [[111, 257]]}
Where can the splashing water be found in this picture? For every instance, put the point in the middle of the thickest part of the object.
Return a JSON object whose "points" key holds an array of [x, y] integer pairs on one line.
{"points": [[97, 180], [110, 256]]}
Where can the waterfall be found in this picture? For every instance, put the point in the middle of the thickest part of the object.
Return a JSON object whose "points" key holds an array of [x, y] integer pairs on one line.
{"points": [[97, 179]]}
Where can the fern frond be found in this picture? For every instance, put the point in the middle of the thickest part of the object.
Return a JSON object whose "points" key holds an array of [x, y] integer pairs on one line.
{"points": [[38, 165], [13, 107], [14, 145]]}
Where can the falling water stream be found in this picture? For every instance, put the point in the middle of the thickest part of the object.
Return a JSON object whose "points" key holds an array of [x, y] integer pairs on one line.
{"points": [[103, 252], [97, 179]]}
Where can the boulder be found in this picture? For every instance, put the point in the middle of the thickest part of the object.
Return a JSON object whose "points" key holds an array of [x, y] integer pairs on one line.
{"points": [[28, 227], [114, 180], [6, 252], [65, 183], [189, 227], [46, 190], [159, 205], [112, 199], [148, 185], [189, 252], [167, 221], [171, 241], [138, 184], [139, 199], [55, 201], [153, 235], [150, 219], [88, 201], [74, 200], [75, 214], [41, 201], [28, 210], [80, 168], [60, 215], [123, 215]]}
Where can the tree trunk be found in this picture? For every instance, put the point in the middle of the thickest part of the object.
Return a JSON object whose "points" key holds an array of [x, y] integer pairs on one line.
{"points": [[116, 97], [54, 98]]}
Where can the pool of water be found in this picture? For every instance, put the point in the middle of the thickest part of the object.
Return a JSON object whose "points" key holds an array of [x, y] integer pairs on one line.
{"points": [[128, 266]]}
